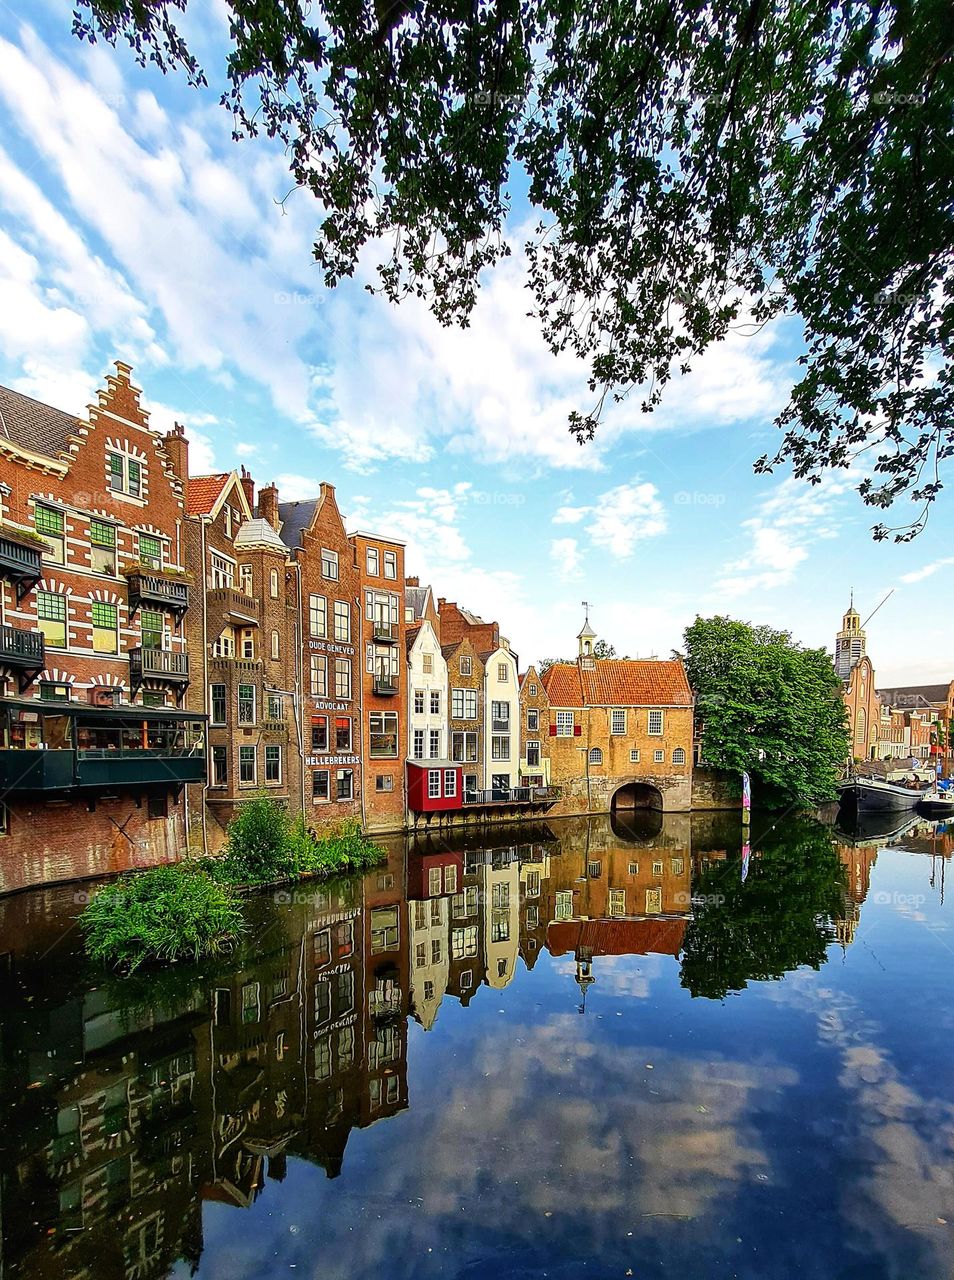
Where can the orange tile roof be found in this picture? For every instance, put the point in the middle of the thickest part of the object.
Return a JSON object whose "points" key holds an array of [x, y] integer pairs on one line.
{"points": [[204, 492], [602, 937], [618, 682]]}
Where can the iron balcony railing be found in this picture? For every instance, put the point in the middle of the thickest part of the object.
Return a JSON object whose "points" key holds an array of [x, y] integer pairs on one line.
{"points": [[500, 726], [158, 664], [385, 686], [513, 795], [19, 648], [385, 631]]}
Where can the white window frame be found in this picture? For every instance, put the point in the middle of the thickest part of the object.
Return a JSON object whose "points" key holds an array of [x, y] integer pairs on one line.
{"points": [[564, 724], [618, 721], [655, 716]]}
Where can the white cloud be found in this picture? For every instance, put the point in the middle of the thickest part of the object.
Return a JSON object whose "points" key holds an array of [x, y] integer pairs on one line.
{"points": [[619, 518], [566, 557], [928, 571]]}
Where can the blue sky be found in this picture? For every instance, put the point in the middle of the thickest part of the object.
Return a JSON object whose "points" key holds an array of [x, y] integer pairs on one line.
{"points": [[132, 227]]}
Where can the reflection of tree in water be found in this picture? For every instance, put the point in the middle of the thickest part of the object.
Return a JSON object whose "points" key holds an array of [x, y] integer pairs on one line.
{"points": [[780, 918]]}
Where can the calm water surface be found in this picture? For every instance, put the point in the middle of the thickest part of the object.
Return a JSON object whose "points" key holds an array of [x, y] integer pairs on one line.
{"points": [[580, 1049]]}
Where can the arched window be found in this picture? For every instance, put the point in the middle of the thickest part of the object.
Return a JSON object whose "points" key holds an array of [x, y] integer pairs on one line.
{"points": [[860, 725], [679, 756], [273, 581], [276, 651], [596, 756]]}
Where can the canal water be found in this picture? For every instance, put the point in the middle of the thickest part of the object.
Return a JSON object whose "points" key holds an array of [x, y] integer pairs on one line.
{"points": [[580, 1049]]}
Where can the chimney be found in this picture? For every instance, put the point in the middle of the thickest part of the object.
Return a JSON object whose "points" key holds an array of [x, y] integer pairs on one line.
{"points": [[268, 503], [177, 448], [248, 485], [412, 582]]}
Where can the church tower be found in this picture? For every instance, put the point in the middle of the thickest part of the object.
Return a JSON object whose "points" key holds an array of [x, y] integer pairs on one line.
{"points": [[850, 642], [585, 640]]}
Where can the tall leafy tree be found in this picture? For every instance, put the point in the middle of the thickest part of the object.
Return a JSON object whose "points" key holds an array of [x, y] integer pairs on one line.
{"points": [[698, 166], [782, 916], [768, 706]]}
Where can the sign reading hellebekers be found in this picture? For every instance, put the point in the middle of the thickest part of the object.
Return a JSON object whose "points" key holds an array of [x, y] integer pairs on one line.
{"points": [[311, 761]]}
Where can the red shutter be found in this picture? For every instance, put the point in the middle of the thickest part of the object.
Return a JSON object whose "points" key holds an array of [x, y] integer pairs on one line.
{"points": [[552, 730], [578, 731]]}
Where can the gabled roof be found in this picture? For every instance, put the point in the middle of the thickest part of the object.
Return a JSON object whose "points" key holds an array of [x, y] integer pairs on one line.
{"points": [[618, 682], [33, 425], [294, 517], [205, 491], [416, 598], [259, 533]]}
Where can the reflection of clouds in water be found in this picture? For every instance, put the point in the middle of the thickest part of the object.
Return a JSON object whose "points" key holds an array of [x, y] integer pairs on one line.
{"points": [[905, 1140], [619, 975]]}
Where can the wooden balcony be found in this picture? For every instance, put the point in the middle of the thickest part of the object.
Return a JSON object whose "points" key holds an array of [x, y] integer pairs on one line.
{"points": [[22, 651], [161, 665], [20, 561], [233, 606], [158, 590]]}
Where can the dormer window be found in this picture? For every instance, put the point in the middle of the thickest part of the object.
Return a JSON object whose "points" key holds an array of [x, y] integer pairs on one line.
{"points": [[125, 474]]}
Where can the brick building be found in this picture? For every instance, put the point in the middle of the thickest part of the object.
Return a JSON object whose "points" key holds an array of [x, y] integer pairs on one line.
{"points": [[244, 634], [534, 730], [96, 747], [620, 732], [863, 709], [329, 627], [465, 703], [379, 563]]}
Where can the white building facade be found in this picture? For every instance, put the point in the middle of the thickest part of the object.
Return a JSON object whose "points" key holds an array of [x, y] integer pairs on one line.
{"points": [[427, 696], [501, 720]]}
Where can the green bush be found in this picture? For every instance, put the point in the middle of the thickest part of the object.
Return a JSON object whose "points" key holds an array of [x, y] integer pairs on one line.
{"points": [[338, 847], [258, 844], [166, 914]]}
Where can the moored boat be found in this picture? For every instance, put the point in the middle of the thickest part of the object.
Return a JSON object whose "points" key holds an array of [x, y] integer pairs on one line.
{"points": [[878, 794], [936, 803]]}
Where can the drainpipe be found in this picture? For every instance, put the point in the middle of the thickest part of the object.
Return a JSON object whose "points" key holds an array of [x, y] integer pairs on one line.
{"points": [[361, 674], [297, 701]]}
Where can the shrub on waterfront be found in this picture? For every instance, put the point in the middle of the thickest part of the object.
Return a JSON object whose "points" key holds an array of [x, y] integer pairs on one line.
{"points": [[266, 846], [165, 914]]}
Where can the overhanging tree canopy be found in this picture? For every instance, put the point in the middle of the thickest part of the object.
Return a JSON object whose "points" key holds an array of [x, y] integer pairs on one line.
{"points": [[696, 167]]}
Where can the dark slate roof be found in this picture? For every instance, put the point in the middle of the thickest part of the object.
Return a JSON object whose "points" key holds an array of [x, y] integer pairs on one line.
{"points": [[913, 695], [415, 598], [33, 425], [295, 516]]}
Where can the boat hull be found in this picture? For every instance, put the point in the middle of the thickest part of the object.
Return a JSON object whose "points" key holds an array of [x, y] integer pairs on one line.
{"points": [[881, 798]]}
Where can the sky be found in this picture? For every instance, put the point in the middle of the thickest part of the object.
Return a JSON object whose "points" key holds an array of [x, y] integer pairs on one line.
{"points": [[132, 227]]}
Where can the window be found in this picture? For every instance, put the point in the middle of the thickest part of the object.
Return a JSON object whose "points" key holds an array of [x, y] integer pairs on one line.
{"points": [[4, 819], [501, 673], [151, 624], [51, 692], [383, 726], [594, 870], [596, 755], [657, 868], [533, 920], [420, 951], [320, 786], [533, 884], [464, 747], [634, 756], [102, 547], [634, 868], [433, 784], [273, 763], [450, 873], [564, 724], [617, 902], [318, 616], [218, 703], [345, 784], [385, 934], [105, 636], [679, 756], [343, 734], [653, 901], [500, 714], [466, 666], [428, 991], [372, 561], [435, 702], [659, 756], [390, 564], [618, 722], [319, 733], [221, 571], [655, 723], [450, 789], [246, 765], [329, 564], [464, 704], [500, 747], [342, 621], [220, 766], [464, 944], [245, 578], [50, 524], [51, 616], [533, 720], [319, 675], [274, 705], [248, 643], [533, 754], [343, 678], [564, 904], [427, 663], [125, 474], [276, 646], [273, 584], [418, 702], [417, 750], [435, 744], [384, 782], [150, 551], [677, 866], [246, 704]]}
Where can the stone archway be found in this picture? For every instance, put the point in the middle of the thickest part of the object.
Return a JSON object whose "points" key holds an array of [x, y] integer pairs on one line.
{"points": [[636, 795]]}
